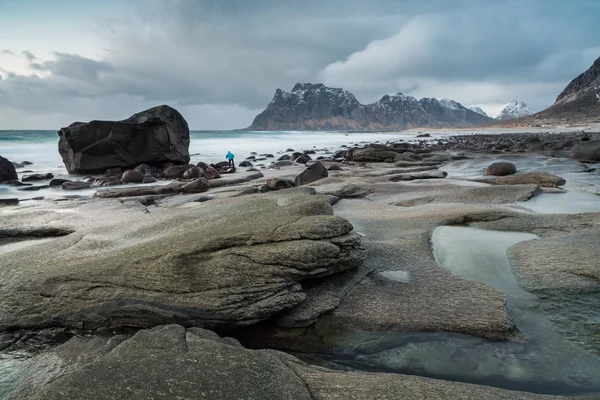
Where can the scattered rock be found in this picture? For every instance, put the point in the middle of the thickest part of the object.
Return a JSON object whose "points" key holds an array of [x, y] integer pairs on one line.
{"points": [[313, 173], [33, 188], [57, 182], [144, 169], [417, 175], [211, 173], [116, 171], [9, 202], [37, 177], [193, 173], [245, 164], [278, 184], [334, 167], [132, 176], [76, 185], [302, 159], [157, 135], [176, 171], [588, 151], [149, 179], [198, 185], [500, 169], [542, 179]]}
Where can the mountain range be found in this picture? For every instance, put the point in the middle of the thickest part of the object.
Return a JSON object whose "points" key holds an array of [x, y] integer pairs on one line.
{"points": [[318, 107]]}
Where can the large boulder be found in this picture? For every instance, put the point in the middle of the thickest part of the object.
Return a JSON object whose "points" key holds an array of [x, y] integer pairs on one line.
{"points": [[313, 173], [7, 170], [588, 151], [371, 154], [155, 136]]}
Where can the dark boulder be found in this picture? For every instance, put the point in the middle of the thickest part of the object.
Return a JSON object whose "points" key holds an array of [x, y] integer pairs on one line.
{"points": [[193, 173], [116, 171], [199, 185], [246, 164], [220, 165], [202, 165], [313, 173], [334, 167], [149, 179], [132, 176], [37, 177], [144, 169], [7, 170], [157, 135], [211, 173], [587, 151], [500, 169], [33, 188], [9, 202], [303, 159], [284, 157], [57, 182], [176, 171]]}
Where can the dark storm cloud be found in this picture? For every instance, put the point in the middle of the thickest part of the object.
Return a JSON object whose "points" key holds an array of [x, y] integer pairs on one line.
{"points": [[235, 53]]}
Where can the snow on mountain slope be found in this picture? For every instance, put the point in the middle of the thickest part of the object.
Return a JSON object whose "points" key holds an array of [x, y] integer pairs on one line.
{"points": [[477, 110], [504, 111]]}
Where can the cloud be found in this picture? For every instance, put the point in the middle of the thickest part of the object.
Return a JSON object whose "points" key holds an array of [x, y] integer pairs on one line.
{"points": [[28, 55], [221, 61]]}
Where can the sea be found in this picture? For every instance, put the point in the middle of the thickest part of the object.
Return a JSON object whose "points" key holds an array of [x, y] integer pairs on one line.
{"points": [[40, 147]]}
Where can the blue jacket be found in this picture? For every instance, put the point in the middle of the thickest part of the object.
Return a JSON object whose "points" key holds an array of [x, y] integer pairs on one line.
{"points": [[229, 155]]}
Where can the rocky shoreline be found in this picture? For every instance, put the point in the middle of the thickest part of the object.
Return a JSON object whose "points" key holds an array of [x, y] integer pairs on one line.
{"points": [[327, 257]]}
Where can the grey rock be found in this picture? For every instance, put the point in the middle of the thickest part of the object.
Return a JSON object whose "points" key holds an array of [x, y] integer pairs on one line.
{"points": [[500, 169], [589, 151], [193, 173], [211, 173], [76, 185], [542, 179], [279, 184], [198, 185]]}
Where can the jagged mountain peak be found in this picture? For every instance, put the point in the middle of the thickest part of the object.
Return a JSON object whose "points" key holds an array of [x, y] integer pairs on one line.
{"points": [[311, 106]]}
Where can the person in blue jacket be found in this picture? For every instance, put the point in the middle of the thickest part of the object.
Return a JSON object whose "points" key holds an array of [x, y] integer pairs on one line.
{"points": [[229, 158]]}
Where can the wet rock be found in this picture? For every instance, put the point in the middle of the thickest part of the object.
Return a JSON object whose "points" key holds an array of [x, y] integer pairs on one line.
{"points": [[116, 171], [132, 176], [202, 165], [176, 171], [247, 254], [193, 173], [33, 188], [424, 135], [198, 185], [37, 177], [302, 159], [211, 173], [284, 157], [371, 154], [284, 163], [313, 173], [500, 169], [334, 167], [57, 182], [76, 185], [279, 184], [417, 175], [9, 202], [589, 151], [157, 135], [289, 150], [222, 164], [149, 179], [476, 195], [245, 164], [542, 179], [160, 190], [144, 169], [16, 183]]}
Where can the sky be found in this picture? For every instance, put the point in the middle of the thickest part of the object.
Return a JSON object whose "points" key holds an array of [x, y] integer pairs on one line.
{"points": [[219, 62]]}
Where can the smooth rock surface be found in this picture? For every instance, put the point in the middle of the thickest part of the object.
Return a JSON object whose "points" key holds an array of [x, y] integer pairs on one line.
{"points": [[7, 170]]}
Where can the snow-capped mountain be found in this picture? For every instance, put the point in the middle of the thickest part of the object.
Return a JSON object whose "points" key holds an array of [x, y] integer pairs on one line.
{"points": [[478, 110], [316, 107], [503, 111]]}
